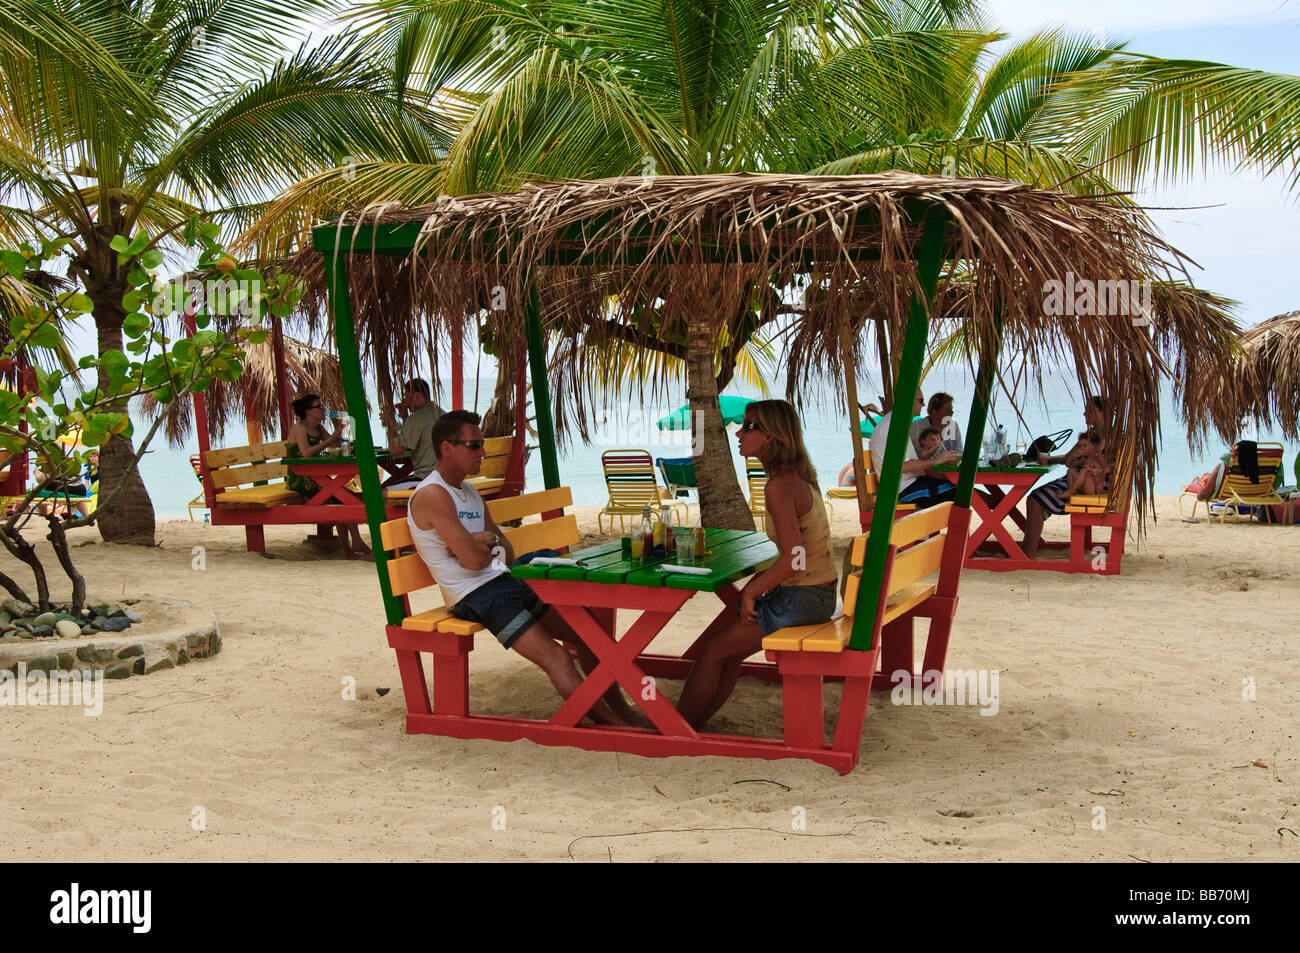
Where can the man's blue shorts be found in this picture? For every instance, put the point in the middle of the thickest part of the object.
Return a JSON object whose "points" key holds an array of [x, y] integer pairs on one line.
{"points": [[504, 605]]}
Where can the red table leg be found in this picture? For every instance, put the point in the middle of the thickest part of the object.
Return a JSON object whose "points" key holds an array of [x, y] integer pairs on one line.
{"points": [[991, 519], [618, 663], [335, 488]]}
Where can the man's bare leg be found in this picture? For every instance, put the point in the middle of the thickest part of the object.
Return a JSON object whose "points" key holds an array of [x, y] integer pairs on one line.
{"points": [[551, 657], [558, 628]]}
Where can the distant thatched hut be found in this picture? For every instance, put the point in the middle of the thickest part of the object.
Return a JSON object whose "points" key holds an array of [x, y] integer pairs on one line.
{"points": [[1262, 382], [253, 397]]}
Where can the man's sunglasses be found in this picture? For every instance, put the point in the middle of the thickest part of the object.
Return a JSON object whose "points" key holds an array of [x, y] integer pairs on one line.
{"points": [[750, 425], [471, 444]]}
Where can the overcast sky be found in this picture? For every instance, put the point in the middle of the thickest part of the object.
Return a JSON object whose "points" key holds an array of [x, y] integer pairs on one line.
{"points": [[1247, 242]]}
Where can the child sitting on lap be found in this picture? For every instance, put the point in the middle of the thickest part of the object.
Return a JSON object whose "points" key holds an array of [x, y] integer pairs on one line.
{"points": [[931, 443], [1089, 469]]}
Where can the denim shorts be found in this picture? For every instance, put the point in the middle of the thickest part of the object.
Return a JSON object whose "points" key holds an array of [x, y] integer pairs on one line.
{"points": [[794, 605], [504, 605]]}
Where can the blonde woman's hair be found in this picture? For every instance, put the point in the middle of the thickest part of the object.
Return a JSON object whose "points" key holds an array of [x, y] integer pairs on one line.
{"points": [[785, 449]]}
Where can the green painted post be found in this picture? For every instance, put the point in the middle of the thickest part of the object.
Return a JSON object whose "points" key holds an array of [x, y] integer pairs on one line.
{"points": [[905, 390], [345, 340], [541, 391], [979, 415]]}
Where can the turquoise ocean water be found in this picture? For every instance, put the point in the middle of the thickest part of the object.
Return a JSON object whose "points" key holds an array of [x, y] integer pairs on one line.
{"points": [[630, 423]]}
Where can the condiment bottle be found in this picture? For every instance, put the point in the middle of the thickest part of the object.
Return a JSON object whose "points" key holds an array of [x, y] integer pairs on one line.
{"points": [[647, 532]]}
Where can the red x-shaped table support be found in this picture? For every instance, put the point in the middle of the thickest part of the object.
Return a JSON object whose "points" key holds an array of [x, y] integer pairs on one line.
{"points": [[332, 478], [1018, 484], [580, 604]]}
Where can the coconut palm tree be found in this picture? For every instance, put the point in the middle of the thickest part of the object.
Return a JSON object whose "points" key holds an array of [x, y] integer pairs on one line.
{"points": [[127, 117], [582, 89]]}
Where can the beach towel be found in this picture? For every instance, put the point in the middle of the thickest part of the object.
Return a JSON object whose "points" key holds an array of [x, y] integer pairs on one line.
{"points": [[1248, 459]]}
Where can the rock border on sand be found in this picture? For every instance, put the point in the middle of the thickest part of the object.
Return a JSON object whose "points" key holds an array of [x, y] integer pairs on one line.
{"points": [[119, 656]]}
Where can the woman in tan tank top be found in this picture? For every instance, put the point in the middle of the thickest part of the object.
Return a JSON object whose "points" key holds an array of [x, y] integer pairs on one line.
{"points": [[798, 589]]}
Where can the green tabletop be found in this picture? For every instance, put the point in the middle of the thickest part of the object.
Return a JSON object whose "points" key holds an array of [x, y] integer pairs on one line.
{"points": [[734, 554], [330, 458]]}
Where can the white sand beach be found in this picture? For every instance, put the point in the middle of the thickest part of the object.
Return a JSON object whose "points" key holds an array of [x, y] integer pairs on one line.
{"points": [[1124, 693]]}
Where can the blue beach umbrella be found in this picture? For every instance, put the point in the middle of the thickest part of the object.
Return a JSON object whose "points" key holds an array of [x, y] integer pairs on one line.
{"points": [[733, 412]]}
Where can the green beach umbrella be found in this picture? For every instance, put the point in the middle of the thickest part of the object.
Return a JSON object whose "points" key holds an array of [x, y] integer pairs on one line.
{"points": [[733, 412], [867, 427]]}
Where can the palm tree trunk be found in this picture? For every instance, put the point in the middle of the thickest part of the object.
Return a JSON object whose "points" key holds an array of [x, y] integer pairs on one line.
{"points": [[130, 518], [722, 505]]}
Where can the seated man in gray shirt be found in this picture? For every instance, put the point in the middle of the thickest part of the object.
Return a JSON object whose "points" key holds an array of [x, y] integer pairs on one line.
{"points": [[416, 433]]}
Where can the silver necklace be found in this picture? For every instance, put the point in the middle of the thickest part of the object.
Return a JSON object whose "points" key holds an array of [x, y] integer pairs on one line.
{"points": [[463, 497]]}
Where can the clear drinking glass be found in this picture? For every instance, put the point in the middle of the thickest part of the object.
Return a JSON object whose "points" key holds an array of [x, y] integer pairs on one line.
{"points": [[685, 548]]}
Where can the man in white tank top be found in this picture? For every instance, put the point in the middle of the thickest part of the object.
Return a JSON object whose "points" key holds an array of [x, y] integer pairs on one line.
{"points": [[469, 557]]}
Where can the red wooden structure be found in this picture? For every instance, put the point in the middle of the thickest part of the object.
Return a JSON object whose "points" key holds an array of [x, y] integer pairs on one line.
{"points": [[13, 478]]}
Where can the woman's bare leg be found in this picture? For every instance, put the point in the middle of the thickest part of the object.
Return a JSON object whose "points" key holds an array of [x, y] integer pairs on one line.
{"points": [[1035, 516], [717, 666]]}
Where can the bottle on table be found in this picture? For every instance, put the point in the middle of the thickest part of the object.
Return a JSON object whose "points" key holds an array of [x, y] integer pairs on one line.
{"points": [[670, 534], [699, 538], [647, 534], [1002, 441], [345, 434]]}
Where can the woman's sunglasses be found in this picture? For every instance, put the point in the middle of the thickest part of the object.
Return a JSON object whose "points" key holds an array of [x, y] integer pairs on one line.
{"points": [[471, 444], [750, 425]]}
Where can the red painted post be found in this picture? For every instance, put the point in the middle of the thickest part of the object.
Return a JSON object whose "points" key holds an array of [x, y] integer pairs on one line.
{"points": [[802, 700], [252, 423], [457, 369]]}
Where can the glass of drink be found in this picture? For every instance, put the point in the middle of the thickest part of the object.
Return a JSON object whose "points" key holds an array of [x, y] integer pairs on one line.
{"points": [[638, 547], [686, 548]]}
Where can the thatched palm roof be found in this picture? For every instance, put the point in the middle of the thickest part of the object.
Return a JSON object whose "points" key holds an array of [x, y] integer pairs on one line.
{"points": [[699, 249], [309, 370], [1262, 381]]}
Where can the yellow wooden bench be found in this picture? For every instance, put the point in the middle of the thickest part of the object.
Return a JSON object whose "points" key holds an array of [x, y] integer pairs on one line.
{"points": [[246, 486], [258, 466], [436, 630], [489, 480], [1087, 513], [810, 653], [1084, 503]]}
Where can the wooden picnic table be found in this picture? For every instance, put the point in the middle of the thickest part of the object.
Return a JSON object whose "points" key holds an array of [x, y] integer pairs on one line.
{"points": [[589, 596], [1017, 481]]}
